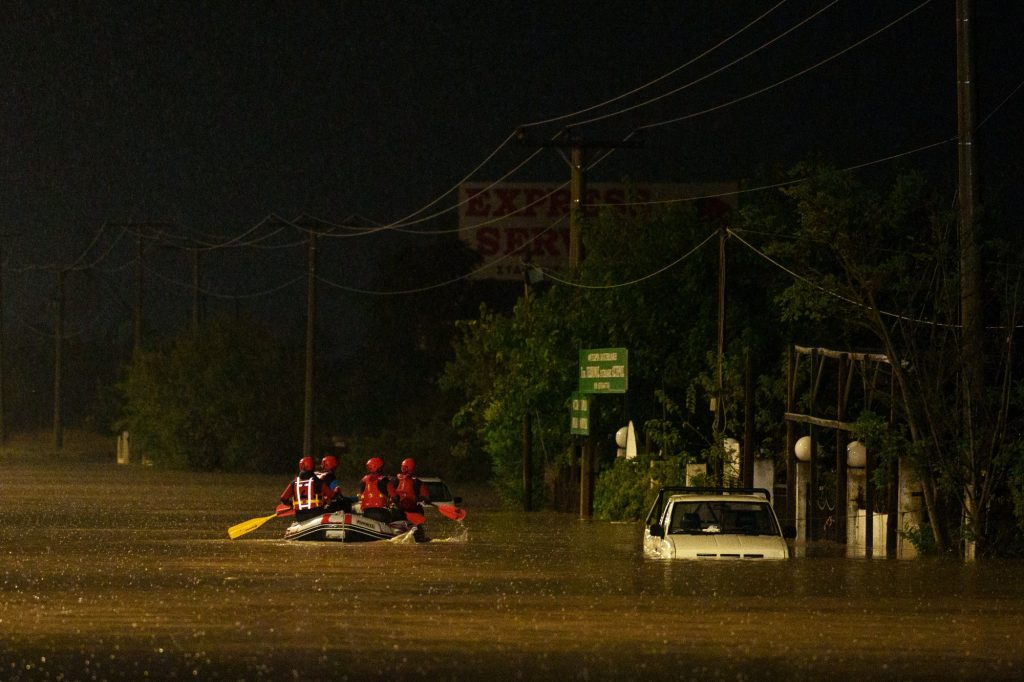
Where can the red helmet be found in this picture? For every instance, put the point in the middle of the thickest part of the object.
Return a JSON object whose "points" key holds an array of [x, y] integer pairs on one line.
{"points": [[408, 465], [329, 463], [374, 464], [306, 464]]}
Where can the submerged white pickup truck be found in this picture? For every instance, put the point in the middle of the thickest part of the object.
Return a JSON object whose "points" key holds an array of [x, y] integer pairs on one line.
{"points": [[714, 523]]}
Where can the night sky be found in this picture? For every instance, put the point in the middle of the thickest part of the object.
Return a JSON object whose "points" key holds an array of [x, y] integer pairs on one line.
{"points": [[210, 116]]}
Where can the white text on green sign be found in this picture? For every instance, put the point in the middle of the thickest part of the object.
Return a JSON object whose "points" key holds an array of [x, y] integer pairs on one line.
{"points": [[604, 370], [580, 415]]}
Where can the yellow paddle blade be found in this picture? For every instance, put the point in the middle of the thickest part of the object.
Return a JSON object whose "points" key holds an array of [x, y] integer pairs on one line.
{"points": [[240, 529]]}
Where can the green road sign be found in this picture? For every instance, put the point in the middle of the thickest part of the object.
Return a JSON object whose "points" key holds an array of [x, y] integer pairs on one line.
{"points": [[580, 413], [604, 370]]}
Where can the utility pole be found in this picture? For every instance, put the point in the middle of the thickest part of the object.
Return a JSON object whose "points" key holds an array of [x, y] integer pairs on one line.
{"points": [[137, 318], [307, 430], [196, 296], [58, 345], [578, 146], [971, 313], [3, 430], [527, 417], [719, 422]]}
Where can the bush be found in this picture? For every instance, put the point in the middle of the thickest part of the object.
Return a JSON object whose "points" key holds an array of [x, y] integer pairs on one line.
{"points": [[227, 398], [626, 491]]}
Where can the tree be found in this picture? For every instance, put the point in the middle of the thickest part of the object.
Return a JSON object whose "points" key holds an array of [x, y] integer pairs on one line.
{"points": [[646, 284], [228, 398], [884, 262]]}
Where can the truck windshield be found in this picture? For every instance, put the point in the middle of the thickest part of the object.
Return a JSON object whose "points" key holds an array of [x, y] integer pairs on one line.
{"points": [[745, 518]]}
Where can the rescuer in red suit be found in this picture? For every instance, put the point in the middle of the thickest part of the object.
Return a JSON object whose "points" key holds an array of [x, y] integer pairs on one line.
{"points": [[376, 491], [334, 499], [306, 493], [411, 491]]}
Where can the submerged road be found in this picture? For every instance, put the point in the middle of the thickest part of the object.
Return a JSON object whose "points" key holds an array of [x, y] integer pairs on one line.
{"points": [[112, 573]]}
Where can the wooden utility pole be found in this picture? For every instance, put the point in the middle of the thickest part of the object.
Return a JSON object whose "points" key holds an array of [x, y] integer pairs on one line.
{"points": [[577, 147], [137, 319], [196, 296], [58, 352], [842, 442], [747, 453], [971, 313], [3, 421], [527, 417], [309, 407], [719, 422]]}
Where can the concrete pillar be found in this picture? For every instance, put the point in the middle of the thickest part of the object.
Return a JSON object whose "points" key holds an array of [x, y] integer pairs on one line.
{"points": [[910, 510], [764, 475], [123, 449], [803, 483], [696, 474]]}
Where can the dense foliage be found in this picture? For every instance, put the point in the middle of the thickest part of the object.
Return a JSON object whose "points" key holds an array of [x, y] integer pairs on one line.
{"points": [[227, 398], [648, 284], [827, 261], [886, 264]]}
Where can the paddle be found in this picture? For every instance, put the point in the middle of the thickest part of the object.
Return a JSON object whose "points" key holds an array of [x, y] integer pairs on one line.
{"points": [[416, 519], [451, 511], [240, 529]]}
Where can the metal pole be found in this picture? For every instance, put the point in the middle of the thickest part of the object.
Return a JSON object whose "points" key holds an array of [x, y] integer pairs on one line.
{"points": [[307, 430], [791, 466], [972, 343], [719, 422], [577, 190], [842, 496], [196, 296], [137, 322], [58, 342], [527, 420]]}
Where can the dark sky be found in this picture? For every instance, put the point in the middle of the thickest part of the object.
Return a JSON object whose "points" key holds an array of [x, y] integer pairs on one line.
{"points": [[209, 116]]}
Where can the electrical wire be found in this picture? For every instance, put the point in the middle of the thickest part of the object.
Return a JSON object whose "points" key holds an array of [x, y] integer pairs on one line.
{"points": [[729, 65], [469, 275], [776, 84], [660, 78], [785, 183], [834, 294], [631, 282], [399, 226], [217, 294]]}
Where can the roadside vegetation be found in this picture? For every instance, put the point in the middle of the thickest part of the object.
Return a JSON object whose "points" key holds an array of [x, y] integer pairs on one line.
{"points": [[828, 261], [831, 260]]}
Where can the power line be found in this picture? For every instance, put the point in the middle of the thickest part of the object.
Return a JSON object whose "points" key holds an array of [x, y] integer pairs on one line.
{"points": [[660, 78], [631, 282], [788, 78], [685, 86]]}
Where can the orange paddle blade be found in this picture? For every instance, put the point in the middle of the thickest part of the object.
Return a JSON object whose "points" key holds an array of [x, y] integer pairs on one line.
{"points": [[451, 511]]}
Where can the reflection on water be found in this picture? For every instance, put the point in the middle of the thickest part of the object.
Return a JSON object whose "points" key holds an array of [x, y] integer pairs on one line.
{"points": [[131, 575]]}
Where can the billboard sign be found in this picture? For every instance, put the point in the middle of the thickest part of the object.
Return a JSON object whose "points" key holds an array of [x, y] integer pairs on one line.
{"points": [[507, 223]]}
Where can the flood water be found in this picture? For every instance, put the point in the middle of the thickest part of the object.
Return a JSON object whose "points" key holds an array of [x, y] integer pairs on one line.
{"points": [[127, 573]]}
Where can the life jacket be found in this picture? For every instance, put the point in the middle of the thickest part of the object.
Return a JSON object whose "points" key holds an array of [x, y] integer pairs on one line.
{"points": [[306, 494], [371, 496], [408, 491]]}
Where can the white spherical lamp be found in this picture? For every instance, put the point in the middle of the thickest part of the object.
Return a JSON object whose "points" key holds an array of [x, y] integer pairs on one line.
{"points": [[802, 449], [856, 455], [621, 435]]}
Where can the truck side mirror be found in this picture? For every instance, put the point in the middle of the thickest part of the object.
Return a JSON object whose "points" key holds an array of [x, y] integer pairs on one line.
{"points": [[789, 532], [457, 500], [657, 531]]}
